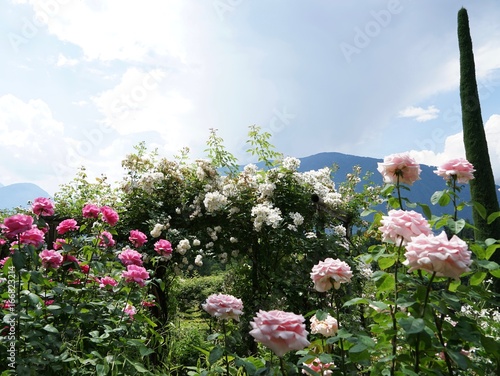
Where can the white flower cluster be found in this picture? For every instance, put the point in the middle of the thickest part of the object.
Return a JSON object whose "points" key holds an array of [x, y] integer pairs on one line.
{"points": [[214, 201], [297, 219], [198, 260], [265, 213], [148, 181], [266, 190], [340, 230], [183, 246], [205, 169], [291, 163], [156, 231]]}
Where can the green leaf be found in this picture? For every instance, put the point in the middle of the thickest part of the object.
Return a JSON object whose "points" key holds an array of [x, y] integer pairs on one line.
{"points": [[456, 226], [50, 328], [495, 273], [386, 262], [480, 209], [477, 278], [215, 354], [493, 216], [440, 197], [356, 301], [491, 250], [426, 210], [412, 325], [490, 265], [385, 283]]}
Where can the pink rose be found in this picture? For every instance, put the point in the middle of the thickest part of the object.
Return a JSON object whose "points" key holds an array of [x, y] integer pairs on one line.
{"points": [[403, 225], [399, 168], [223, 306], [90, 211], [107, 281], [16, 224], [33, 236], [137, 238], [109, 215], [317, 366], [51, 258], [327, 327], [135, 274], [130, 257], [330, 270], [448, 258], [280, 331], [67, 225], [106, 239], [459, 169], [58, 244], [43, 206], [163, 247], [130, 310]]}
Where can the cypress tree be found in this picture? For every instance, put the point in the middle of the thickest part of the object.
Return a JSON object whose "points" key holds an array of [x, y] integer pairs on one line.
{"points": [[482, 187]]}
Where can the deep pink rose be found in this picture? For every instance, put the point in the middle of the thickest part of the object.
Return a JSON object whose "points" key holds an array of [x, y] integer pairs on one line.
{"points": [[280, 331], [43, 206], [130, 257], [16, 224], [51, 258], [67, 225], [109, 215], [400, 166], [330, 273], [84, 267], [460, 169], [135, 273], [4, 260], [90, 211], [33, 236], [163, 247], [403, 225], [317, 366], [223, 306], [137, 238], [106, 239], [107, 281], [448, 258]]}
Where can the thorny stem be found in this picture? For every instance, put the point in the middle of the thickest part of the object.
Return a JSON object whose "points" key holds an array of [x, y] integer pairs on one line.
{"points": [[417, 344]]}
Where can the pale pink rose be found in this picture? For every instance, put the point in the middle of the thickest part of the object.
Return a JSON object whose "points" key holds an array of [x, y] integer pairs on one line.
{"points": [[137, 238], [107, 281], [448, 258], [16, 224], [67, 225], [460, 169], [130, 310], [163, 247], [90, 211], [403, 224], [33, 236], [106, 239], [130, 257], [327, 327], [109, 215], [280, 331], [323, 369], [330, 273], [51, 258], [135, 273], [223, 306], [399, 165], [43, 206]]}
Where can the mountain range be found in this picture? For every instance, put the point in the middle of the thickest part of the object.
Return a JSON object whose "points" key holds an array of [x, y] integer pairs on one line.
{"points": [[20, 194]]}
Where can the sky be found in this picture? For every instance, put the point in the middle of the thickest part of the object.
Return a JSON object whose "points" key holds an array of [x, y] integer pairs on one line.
{"points": [[84, 81]]}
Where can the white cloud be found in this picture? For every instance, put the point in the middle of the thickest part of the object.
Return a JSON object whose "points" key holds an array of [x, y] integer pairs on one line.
{"points": [[454, 148], [420, 114], [65, 61]]}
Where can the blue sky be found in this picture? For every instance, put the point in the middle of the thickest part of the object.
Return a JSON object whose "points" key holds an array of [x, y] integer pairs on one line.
{"points": [[83, 81]]}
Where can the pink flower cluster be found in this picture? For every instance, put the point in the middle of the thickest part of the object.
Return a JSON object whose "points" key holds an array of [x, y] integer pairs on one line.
{"points": [[330, 273], [135, 273], [447, 258], [459, 169], [130, 257], [224, 307], [109, 215], [280, 331], [320, 368], [399, 168], [51, 259], [66, 226], [16, 224], [402, 225], [163, 247], [42, 206], [137, 238]]}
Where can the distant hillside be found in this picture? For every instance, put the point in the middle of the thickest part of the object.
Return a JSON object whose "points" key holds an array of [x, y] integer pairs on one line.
{"points": [[14, 195], [420, 192]]}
